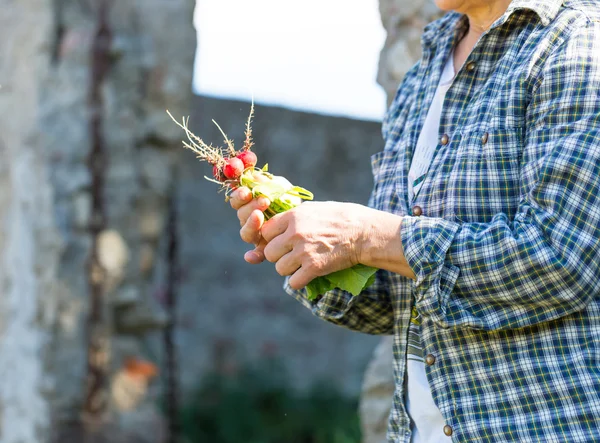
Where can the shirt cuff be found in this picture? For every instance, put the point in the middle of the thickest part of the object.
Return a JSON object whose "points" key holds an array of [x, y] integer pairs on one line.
{"points": [[333, 305], [426, 242]]}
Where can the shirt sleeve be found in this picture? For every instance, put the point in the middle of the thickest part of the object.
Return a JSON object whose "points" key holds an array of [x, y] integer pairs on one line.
{"points": [[543, 264], [369, 312]]}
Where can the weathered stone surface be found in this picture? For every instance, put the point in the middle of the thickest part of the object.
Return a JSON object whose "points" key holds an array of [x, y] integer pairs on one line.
{"points": [[29, 245], [129, 386], [147, 257], [82, 208], [144, 316], [126, 297], [404, 23], [377, 393], [113, 253], [45, 190]]}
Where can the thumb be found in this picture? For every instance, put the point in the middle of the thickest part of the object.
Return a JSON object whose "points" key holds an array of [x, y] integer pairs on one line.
{"points": [[257, 255]]}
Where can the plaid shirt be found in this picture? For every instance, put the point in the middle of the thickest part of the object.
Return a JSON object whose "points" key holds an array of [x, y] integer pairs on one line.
{"points": [[507, 249]]}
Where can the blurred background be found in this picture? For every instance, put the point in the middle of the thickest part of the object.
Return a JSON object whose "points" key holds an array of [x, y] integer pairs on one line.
{"points": [[127, 312]]}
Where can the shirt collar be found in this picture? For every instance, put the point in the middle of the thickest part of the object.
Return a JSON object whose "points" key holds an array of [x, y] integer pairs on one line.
{"points": [[546, 10]]}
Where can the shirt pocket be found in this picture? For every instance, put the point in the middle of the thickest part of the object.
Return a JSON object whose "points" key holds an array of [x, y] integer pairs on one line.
{"points": [[384, 166], [484, 178]]}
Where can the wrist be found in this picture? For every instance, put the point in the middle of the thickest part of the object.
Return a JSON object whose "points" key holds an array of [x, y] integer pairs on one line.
{"points": [[380, 237], [381, 245]]}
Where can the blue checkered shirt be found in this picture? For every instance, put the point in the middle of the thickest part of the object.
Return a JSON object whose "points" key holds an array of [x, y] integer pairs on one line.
{"points": [[506, 249]]}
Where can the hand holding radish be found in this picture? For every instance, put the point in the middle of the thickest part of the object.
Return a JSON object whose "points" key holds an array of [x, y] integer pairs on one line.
{"points": [[315, 239], [319, 249], [306, 242]]}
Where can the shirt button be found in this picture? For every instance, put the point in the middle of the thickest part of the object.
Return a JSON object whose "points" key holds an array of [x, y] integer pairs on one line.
{"points": [[448, 430], [471, 66], [485, 137], [445, 139], [417, 211], [430, 359]]}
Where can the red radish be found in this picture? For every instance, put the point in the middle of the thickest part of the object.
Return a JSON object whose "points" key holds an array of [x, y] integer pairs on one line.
{"points": [[233, 168], [248, 158]]}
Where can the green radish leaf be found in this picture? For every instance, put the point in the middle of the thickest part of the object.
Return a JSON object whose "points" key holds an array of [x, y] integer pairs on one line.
{"points": [[318, 286], [304, 194], [271, 190], [353, 280]]}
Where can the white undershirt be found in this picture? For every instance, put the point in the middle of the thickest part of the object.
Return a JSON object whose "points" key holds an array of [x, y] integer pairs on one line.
{"points": [[427, 421]]}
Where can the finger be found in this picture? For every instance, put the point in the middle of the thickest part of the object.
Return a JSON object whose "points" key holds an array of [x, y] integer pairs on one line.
{"points": [[250, 232], [257, 255], [240, 197], [276, 226], [301, 278], [260, 204], [288, 264], [277, 248]]}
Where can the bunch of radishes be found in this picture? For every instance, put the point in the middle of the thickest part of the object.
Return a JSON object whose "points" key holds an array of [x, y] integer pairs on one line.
{"points": [[232, 168]]}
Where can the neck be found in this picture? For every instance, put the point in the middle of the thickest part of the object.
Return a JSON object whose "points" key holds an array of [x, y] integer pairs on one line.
{"points": [[482, 16]]}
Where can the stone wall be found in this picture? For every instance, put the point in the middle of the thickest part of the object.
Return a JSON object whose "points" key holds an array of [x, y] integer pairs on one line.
{"points": [[29, 245], [404, 22], [68, 86]]}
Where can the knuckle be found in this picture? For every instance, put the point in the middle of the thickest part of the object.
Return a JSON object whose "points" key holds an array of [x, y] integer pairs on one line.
{"points": [[268, 252], [304, 248], [246, 235], [316, 268], [308, 267], [315, 265], [238, 198], [244, 213], [233, 203], [279, 267], [297, 237]]}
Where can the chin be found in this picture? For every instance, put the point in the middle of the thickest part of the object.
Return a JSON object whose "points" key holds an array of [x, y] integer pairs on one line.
{"points": [[449, 5]]}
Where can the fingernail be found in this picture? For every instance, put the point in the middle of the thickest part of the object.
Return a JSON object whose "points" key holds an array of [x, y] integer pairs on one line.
{"points": [[264, 202], [251, 257]]}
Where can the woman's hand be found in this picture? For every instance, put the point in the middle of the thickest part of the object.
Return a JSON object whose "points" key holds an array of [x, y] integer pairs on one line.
{"points": [[250, 213], [316, 239]]}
